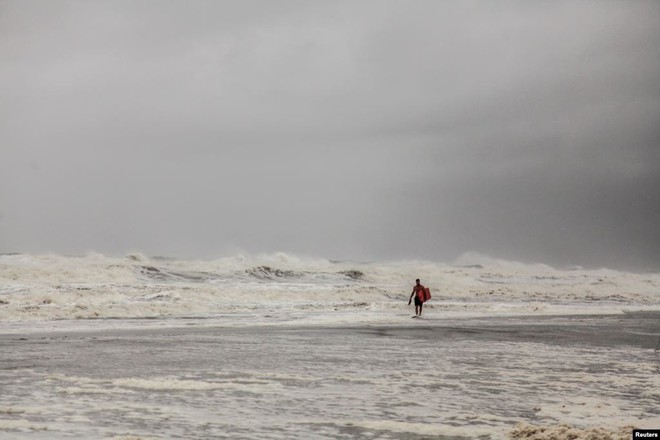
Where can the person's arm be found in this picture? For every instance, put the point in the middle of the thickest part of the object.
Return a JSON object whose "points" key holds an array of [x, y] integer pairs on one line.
{"points": [[411, 295]]}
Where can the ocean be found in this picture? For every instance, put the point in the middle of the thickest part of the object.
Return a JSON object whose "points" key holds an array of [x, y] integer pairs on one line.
{"points": [[281, 347]]}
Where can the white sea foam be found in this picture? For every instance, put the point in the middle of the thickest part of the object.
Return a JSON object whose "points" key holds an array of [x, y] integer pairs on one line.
{"points": [[564, 432], [175, 384], [475, 379], [281, 288], [22, 425]]}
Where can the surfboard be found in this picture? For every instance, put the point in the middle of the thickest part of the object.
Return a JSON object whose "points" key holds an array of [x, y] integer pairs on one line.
{"points": [[426, 294]]}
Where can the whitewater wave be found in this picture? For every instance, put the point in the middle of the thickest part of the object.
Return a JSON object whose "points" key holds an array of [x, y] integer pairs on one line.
{"points": [[53, 287]]}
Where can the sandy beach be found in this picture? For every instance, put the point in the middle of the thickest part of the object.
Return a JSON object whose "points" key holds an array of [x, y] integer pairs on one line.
{"points": [[486, 378]]}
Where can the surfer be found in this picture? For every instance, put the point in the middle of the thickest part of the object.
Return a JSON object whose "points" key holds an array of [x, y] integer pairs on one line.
{"points": [[419, 290]]}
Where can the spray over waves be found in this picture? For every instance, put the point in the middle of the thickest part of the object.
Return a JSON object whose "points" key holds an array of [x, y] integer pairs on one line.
{"points": [[47, 287]]}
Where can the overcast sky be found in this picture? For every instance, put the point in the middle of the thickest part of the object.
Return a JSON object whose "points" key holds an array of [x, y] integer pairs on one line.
{"points": [[372, 130]]}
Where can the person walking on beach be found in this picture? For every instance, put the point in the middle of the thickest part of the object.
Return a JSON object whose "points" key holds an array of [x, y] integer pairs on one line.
{"points": [[418, 289]]}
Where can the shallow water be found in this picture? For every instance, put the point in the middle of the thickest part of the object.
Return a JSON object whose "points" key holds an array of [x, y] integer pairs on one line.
{"points": [[429, 378]]}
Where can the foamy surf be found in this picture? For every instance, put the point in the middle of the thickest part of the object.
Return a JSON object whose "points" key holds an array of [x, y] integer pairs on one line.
{"points": [[283, 289], [540, 378], [281, 347]]}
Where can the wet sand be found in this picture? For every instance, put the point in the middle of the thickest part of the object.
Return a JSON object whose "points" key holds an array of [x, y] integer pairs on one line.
{"points": [[428, 378]]}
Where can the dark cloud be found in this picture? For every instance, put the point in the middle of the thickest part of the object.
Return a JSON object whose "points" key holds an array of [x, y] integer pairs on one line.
{"points": [[528, 130]]}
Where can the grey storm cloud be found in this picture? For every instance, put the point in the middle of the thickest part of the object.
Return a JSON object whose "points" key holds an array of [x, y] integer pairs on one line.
{"points": [[369, 129]]}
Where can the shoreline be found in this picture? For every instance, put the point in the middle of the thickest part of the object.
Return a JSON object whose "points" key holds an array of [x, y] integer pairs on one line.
{"points": [[641, 329], [571, 376]]}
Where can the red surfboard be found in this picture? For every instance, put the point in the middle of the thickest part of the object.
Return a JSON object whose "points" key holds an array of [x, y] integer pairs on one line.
{"points": [[426, 294]]}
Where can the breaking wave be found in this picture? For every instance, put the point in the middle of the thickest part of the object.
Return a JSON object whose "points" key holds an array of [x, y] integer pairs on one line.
{"points": [[47, 287]]}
